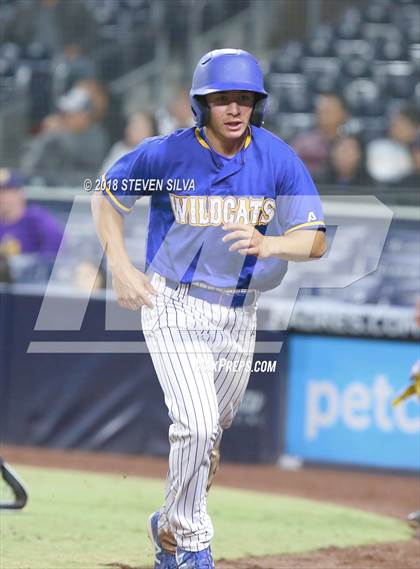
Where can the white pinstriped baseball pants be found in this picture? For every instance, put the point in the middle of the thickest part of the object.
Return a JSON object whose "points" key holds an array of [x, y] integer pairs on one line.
{"points": [[186, 337]]}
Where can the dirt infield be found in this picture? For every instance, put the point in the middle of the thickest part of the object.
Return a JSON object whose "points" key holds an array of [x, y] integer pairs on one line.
{"points": [[384, 494]]}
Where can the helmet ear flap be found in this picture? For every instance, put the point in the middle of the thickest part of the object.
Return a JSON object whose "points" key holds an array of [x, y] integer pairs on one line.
{"points": [[200, 110], [257, 117]]}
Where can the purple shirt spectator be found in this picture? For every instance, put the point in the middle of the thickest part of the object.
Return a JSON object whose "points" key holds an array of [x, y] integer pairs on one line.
{"points": [[24, 229], [36, 232]]}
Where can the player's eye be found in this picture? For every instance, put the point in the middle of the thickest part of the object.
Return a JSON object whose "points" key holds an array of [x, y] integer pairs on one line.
{"points": [[246, 98]]}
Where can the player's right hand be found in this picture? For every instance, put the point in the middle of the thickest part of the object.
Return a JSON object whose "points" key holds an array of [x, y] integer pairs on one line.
{"points": [[133, 289]]}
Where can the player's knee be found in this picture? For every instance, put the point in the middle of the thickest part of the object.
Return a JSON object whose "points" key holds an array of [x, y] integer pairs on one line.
{"points": [[205, 433]]}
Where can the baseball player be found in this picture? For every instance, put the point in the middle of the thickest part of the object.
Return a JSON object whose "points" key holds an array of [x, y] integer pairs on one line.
{"points": [[231, 204]]}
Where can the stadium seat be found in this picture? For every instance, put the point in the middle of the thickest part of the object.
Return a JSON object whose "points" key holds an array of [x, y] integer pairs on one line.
{"points": [[7, 68], [7, 79], [326, 83], [288, 59], [313, 66], [370, 127], [413, 32], [407, 19], [374, 32], [321, 44], [363, 98], [289, 124], [11, 52], [391, 50], [285, 64], [300, 101], [378, 12], [354, 48], [401, 79], [357, 67], [414, 54], [289, 92], [322, 73], [36, 52], [350, 24], [320, 47], [106, 14], [371, 57]]}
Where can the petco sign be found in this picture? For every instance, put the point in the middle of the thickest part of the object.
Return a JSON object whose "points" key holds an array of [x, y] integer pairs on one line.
{"points": [[340, 402], [359, 407]]}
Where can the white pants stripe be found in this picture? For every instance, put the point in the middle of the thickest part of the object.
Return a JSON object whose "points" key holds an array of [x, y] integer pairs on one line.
{"points": [[186, 338]]}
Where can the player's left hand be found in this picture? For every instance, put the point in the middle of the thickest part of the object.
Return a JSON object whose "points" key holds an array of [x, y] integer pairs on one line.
{"points": [[248, 240]]}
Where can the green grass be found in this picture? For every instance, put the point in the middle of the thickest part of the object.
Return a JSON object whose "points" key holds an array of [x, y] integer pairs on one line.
{"points": [[78, 520]]}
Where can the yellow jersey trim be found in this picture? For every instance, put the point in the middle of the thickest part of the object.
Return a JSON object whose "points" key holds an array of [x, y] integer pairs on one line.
{"points": [[201, 139], [113, 198], [308, 224], [205, 145], [248, 137]]}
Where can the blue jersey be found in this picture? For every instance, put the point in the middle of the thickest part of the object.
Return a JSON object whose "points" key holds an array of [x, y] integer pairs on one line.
{"points": [[195, 191]]}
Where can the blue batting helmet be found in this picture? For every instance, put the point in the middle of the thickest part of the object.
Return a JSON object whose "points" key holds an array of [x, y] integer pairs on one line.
{"points": [[227, 70]]}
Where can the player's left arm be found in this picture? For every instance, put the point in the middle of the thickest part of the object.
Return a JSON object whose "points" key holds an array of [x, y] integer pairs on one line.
{"points": [[300, 217], [299, 245]]}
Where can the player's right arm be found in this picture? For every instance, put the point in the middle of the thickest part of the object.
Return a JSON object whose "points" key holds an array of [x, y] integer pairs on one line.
{"points": [[131, 286], [109, 207]]}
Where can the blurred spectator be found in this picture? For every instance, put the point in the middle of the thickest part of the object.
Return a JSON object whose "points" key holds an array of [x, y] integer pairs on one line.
{"points": [[314, 146], [65, 29], [391, 160], [140, 125], [106, 108], [55, 39], [72, 146], [24, 229], [98, 95], [178, 114], [346, 162]]}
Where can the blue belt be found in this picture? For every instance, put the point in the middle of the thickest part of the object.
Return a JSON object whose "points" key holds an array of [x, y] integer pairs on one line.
{"points": [[218, 296]]}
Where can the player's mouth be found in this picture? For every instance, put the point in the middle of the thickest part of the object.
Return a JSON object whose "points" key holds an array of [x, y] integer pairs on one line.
{"points": [[233, 126]]}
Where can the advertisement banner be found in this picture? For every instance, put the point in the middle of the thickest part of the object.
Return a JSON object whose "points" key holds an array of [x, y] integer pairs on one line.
{"points": [[339, 402], [106, 401]]}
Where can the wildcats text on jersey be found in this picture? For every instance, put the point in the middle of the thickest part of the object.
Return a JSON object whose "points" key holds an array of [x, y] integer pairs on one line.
{"points": [[218, 210]]}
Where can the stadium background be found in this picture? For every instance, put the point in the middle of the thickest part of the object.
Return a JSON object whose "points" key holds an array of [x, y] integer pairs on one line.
{"points": [[72, 371]]}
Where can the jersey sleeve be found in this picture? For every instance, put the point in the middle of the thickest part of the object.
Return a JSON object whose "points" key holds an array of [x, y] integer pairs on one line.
{"points": [[123, 183], [298, 202]]}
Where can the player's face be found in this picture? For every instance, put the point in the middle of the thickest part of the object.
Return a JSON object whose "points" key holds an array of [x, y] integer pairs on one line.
{"points": [[12, 203], [230, 113], [330, 113]]}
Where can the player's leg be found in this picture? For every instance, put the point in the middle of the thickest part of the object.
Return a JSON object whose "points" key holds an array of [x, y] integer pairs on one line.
{"points": [[231, 337], [192, 435], [233, 363], [183, 364], [232, 340]]}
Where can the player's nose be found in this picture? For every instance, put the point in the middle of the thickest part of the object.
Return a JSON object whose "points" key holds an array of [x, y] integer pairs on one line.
{"points": [[233, 108]]}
